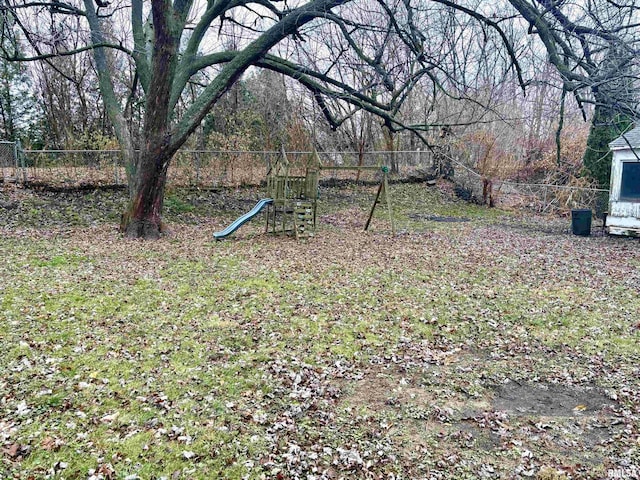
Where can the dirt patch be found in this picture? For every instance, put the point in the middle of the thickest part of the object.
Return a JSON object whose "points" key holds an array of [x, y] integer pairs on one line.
{"points": [[73, 188], [549, 400], [386, 391], [428, 416]]}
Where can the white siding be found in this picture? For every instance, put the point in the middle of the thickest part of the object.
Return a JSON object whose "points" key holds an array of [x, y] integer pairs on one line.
{"points": [[625, 215]]}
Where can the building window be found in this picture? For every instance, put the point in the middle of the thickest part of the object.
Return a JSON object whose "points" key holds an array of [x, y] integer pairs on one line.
{"points": [[630, 185]]}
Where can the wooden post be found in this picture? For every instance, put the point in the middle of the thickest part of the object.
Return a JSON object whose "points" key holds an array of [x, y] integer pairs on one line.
{"points": [[275, 211], [382, 189], [373, 207], [284, 216], [388, 199], [266, 216]]}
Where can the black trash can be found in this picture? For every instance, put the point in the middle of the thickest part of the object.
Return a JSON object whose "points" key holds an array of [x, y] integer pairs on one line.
{"points": [[581, 222]]}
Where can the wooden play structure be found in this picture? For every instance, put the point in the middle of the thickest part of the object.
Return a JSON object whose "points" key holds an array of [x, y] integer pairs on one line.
{"points": [[294, 195]]}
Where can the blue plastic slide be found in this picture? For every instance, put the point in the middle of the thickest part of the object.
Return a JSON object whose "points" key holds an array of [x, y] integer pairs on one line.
{"points": [[243, 219]]}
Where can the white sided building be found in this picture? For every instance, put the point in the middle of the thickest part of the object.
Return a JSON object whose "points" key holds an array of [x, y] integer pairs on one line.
{"points": [[624, 196]]}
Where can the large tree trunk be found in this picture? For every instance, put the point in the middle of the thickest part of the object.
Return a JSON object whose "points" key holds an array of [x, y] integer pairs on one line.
{"points": [[143, 217]]}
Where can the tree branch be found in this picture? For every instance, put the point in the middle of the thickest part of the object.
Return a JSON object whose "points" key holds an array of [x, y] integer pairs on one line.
{"points": [[47, 56]]}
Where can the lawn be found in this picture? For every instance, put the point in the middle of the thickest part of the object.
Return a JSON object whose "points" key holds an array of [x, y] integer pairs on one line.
{"points": [[487, 348]]}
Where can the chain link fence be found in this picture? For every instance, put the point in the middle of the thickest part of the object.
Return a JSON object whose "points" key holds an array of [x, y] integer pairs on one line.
{"points": [[9, 162], [74, 167], [200, 168], [542, 198], [214, 169]]}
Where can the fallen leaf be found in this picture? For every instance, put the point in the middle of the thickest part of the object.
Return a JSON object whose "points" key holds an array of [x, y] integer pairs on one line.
{"points": [[49, 444], [13, 451]]}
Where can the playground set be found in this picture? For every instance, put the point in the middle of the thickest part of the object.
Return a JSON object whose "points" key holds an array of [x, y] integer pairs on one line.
{"points": [[291, 206]]}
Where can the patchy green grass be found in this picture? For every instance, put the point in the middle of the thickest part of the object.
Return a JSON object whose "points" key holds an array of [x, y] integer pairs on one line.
{"points": [[483, 349]]}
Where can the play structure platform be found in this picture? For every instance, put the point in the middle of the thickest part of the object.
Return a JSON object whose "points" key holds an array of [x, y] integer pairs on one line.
{"points": [[243, 219]]}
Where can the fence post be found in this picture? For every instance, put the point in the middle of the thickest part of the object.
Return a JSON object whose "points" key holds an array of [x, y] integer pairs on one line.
{"points": [[198, 167], [116, 168], [15, 157], [20, 163]]}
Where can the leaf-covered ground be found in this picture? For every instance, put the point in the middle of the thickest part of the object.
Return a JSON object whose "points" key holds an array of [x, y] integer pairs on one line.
{"points": [[489, 348]]}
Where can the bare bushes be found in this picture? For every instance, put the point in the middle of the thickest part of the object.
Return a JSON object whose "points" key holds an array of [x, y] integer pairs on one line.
{"points": [[497, 167]]}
